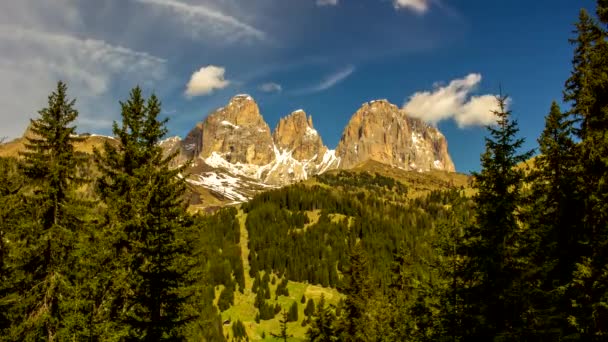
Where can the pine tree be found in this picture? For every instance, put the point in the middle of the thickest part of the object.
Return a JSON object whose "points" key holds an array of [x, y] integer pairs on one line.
{"points": [[554, 222], [226, 299], [310, 307], [145, 231], [293, 312], [587, 92], [11, 213], [238, 331], [322, 324], [357, 289], [46, 258], [283, 322], [495, 300]]}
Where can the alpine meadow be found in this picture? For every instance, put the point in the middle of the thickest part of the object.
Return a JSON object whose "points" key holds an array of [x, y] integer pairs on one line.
{"points": [[231, 231]]}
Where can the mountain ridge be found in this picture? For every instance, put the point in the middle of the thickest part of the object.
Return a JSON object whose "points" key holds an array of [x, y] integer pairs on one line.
{"points": [[234, 153]]}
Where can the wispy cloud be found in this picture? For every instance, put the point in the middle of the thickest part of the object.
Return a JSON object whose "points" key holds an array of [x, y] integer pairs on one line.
{"points": [[418, 6], [271, 87], [327, 2], [453, 101], [34, 60], [203, 18], [329, 81]]}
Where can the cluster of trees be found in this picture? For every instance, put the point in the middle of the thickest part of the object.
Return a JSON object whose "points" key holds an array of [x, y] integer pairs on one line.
{"points": [[357, 181], [104, 255], [319, 253], [529, 261], [103, 248]]}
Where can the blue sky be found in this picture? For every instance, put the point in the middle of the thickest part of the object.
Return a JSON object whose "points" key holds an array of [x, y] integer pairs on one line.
{"points": [[439, 59]]}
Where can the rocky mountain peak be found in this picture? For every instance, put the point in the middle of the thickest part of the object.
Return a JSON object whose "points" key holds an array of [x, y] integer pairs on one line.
{"points": [[296, 133], [237, 133], [242, 110], [381, 131]]}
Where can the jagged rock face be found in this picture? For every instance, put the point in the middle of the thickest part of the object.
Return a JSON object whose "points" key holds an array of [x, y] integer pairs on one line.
{"points": [[296, 133], [299, 151], [382, 132], [170, 147], [236, 132], [193, 142]]}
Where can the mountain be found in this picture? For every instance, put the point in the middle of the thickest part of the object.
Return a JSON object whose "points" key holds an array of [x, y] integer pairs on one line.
{"points": [[382, 132], [233, 154], [236, 139]]}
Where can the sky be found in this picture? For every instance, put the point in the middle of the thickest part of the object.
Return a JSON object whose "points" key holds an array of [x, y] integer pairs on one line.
{"points": [[440, 60]]}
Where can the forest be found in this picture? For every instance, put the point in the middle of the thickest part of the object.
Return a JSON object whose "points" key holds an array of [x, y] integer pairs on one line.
{"points": [[102, 247]]}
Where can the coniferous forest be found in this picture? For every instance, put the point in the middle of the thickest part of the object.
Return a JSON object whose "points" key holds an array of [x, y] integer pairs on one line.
{"points": [[102, 247]]}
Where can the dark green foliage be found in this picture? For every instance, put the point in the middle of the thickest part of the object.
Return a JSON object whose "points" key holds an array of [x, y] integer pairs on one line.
{"points": [[293, 312], [266, 310], [282, 288], [317, 254], [495, 296], [238, 331], [586, 91], [226, 298], [303, 299], [322, 324], [283, 333], [554, 231], [43, 263], [358, 290], [375, 183], [145, 230], [310, 307], [11, 211]]}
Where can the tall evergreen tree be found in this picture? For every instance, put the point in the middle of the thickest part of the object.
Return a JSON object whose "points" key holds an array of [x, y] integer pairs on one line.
{"points": [[358, 290], [45, 254], [493, 302], [11, 215], [283, 324], [554, 218], [145, 230], [322, 324], [293, 312], [586, 91]]}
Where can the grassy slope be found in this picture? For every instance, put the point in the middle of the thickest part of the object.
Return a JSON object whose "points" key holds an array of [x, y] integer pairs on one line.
{"points": [[244, 310]]}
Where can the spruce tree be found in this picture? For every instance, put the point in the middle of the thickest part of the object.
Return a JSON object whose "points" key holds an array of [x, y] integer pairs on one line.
{"points": [[554, 218], [358, 290], [310, 307], [45, 260], [322, 324], [293, 312], [12, 212], [145, 232], [283, 324], [494, 301], [587, 92]]}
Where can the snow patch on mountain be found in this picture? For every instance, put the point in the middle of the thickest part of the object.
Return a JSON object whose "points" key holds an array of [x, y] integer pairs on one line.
{"points": [[229, 124]]}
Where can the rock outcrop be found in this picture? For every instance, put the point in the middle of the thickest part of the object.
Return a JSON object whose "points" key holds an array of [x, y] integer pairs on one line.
{"points": [[299, 151], [237, 133], [296, 133], [382, 132], [234, 142]]}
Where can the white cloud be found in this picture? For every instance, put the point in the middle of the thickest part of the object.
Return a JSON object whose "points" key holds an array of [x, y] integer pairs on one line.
{"points": [[333, 79], [33, 60], [202, 18], [271, 87], [418, 6], [206, 80], [454, 102], [327, 2]]}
